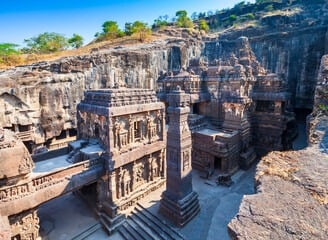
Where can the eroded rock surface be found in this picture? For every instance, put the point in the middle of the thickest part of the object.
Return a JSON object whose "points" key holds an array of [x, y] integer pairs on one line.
{"points": [[40, 99], [291, 200]]}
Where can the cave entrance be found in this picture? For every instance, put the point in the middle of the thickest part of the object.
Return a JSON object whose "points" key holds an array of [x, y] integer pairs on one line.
{"points": [[300, 141]]}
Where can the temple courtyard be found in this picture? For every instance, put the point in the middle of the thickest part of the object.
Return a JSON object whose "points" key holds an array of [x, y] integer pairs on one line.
{"points": [[69, 217]]}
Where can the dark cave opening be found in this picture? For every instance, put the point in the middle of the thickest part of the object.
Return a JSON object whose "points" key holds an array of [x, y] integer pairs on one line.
{"points": [[300, 142]]}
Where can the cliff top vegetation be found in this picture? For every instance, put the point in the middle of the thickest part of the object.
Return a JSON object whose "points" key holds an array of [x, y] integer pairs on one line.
{"points": [[50, 45]]}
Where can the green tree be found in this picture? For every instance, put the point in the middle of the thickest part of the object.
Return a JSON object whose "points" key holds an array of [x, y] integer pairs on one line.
{"points": [[8, 52], [76, 41], [161, 21], [47, 43], [182, 19], [269, 8], [194, 16], [250, 16], [111, 30], [128, 29], [141, 30], [232, 18], [203, 25]]}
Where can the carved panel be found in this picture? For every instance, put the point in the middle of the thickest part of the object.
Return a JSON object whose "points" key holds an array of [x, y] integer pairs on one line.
{"points": [[25, 226]]}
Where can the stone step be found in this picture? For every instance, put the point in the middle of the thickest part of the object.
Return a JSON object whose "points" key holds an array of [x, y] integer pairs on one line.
{"points": [[140, 228], [151, 227], [124, 233], [87, 232], [109, 224], [143, 228], [133, 231], [167, 229], [147, 224]]}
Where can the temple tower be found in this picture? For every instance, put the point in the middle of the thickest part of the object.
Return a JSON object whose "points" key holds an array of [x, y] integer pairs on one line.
{"points": [[179, 202]]}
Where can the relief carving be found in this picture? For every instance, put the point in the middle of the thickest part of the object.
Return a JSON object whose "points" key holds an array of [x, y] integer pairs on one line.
{"points": [[25, 226]]}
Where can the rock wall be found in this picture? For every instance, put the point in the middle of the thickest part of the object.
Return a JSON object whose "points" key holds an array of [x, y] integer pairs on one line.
{"points": [[41, 98], [317, 121], [290, 43], [296, 57]]}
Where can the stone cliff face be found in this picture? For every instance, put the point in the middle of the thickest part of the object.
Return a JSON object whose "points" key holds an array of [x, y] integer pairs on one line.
{"points": [[293, 184], [40, 99], [290, 43]]}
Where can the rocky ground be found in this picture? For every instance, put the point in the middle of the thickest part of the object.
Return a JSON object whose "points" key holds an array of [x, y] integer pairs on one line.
{"points": [[291, 200]]}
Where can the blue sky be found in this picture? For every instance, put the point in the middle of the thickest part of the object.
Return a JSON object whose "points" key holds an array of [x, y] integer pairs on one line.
{"points": [[20, 20]]}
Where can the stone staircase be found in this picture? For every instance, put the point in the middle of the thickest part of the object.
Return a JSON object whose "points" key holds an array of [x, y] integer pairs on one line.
{"points": [[86, 233], [144, 225]]}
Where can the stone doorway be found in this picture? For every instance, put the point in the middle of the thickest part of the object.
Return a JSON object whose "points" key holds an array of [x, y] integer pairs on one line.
{"points": [[217, 163]]}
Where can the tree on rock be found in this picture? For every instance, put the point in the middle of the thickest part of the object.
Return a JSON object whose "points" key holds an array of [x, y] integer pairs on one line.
{"points": [[76, 41], [161, 21], [46, 43], [141, 30], [111, 30], [182, 19], [203, 25]]}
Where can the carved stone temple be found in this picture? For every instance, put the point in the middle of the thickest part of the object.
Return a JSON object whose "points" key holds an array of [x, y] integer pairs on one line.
{"points": [[223, 113], [130, 126], [179, 202], [237, 110]]}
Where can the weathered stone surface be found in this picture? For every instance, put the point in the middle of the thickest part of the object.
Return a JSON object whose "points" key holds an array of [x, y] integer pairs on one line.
{"points": [[4, 228], [318, 120], [15, 161], [42, 97], [291, 200]]}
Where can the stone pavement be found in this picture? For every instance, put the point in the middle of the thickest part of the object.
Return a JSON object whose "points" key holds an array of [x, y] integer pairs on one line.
{"points": [[70, 216]]}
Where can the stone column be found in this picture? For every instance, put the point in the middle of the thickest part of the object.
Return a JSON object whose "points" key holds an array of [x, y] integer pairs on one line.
{"points": [[179, 202]]}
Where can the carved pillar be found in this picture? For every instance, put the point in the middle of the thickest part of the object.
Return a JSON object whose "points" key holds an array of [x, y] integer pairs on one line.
{"points": [[148, 123], [131, 130], [179, 202], [150, 169]]}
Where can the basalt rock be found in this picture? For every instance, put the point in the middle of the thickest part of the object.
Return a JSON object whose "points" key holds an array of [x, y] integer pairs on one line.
{"points": [[291, 200], [40, 99]]}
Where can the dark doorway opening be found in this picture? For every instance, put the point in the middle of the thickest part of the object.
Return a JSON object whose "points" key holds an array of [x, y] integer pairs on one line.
{"points": [[97, 131], [217, 163], [195, 108]]}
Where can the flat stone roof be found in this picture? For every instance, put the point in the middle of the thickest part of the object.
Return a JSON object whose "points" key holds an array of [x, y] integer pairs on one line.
{"points": [[51, 164], [218, 132], [96, 148]]}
